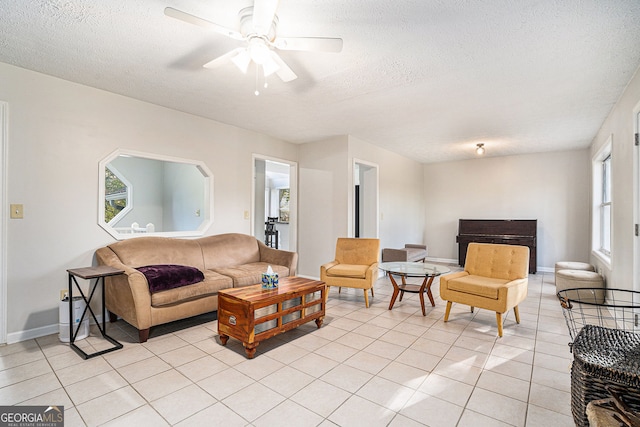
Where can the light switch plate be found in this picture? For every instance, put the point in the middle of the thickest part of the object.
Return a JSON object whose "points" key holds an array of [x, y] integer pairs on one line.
{"points": [[17, 211]]}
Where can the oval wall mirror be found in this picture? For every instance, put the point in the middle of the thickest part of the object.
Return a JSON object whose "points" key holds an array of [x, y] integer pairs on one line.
{"points": [[142, 194]]}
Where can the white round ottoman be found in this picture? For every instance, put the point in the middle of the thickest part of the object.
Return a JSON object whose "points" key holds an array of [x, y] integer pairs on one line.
{"points": [[570, 279]]}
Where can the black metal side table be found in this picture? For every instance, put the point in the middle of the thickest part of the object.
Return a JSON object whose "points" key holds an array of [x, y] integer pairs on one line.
{"points": [[88, 273]]}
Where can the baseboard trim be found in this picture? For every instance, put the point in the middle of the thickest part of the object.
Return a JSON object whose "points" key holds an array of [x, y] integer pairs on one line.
{"points": [[14, 337], [29, 334]]}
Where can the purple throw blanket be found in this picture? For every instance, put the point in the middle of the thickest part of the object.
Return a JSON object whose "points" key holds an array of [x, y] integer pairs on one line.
{"points": [[169, 276]]}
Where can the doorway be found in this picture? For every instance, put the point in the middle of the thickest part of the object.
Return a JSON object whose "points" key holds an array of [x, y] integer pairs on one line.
{"points": [[274, 202], [365, 199], [3, 220], [636, 187]]}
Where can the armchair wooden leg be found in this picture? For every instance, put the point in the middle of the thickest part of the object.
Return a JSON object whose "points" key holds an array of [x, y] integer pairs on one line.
{"points": [[340, 289], [372, 292], [517, 313], [366, 298], [472, 309], [499, 321], [326, 294], [447, 311]]}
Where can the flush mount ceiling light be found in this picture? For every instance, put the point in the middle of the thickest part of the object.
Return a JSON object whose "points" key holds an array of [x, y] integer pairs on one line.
{"points": [[479, 149]]}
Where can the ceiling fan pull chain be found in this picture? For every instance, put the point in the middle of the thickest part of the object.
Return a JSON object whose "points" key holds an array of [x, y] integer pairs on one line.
{"points": [[257, 92]]}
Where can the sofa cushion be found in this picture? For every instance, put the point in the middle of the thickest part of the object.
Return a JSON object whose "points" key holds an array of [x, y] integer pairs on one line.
{"points": [[348, 270], [251, 273], [168, 276], [211, 284], [159, 250], [486, 287], [226, 250]]}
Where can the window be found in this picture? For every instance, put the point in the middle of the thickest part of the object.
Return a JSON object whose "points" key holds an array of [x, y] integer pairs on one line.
{"points": [[602, 203], [117, 197], [605, 207]]}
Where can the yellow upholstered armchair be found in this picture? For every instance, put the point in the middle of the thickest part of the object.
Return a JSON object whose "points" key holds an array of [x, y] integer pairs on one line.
{"points": [[355, 265], [495, 278]]}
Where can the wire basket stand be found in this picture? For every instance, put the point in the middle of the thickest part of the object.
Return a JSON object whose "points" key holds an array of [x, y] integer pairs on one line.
{"points": [[609, 308]]}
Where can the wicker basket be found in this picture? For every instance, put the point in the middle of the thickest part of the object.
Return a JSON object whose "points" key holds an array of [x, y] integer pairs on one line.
{"points": [[604, 357], [610, 308]]}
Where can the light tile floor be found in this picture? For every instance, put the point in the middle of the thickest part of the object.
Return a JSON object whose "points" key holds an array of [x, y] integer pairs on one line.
{"points": [[369, 367]]}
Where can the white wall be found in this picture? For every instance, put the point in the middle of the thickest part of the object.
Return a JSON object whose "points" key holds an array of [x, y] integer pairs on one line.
{"points": [[326, 198], [58, 132], [552, 188], [620, 124], [401, 190], [322, 202]]}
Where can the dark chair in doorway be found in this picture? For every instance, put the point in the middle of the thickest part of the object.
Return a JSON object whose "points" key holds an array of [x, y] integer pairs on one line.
{"points": [[271, 233]]}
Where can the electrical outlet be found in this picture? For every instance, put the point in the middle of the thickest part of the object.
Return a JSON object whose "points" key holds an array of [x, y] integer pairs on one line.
{"points": [[63, 294], [246, 214], [17, 211]]}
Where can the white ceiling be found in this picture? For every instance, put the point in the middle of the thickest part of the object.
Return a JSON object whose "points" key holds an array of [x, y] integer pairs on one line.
{"points": [[428, 79]]}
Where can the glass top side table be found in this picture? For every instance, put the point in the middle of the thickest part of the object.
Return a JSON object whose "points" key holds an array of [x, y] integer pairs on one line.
{"points": [[413, 269]]}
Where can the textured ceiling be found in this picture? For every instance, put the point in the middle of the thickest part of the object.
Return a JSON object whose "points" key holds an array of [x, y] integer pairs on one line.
{"points": [[428, 79]]}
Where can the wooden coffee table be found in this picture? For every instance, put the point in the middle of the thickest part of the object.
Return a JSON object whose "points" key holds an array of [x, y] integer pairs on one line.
{"points": [[252, 314]]}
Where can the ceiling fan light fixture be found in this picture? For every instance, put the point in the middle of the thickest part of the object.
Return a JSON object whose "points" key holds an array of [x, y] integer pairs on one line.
{"points": [[242, 61], [479, 149], [270, 67], [258, 51]]}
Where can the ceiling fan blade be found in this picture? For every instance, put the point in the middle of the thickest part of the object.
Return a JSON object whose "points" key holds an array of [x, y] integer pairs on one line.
{"points": [[221, 60], [316, 44], [283, 71], [263, 13], [192, 19]]}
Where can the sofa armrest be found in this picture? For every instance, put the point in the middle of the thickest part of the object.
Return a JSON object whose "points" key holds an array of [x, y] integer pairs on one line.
{"points": [[126, 295], [279, 257], [391, 255]]}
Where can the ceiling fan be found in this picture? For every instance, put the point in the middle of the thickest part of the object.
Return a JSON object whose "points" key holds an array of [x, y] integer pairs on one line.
{"points": [[258, 32]]}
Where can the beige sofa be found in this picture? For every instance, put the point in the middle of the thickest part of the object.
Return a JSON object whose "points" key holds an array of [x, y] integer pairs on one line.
{"points": [[224, 261]]}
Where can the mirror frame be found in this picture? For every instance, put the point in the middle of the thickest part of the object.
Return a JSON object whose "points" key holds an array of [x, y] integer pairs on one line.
{"points": [[208, 196]]}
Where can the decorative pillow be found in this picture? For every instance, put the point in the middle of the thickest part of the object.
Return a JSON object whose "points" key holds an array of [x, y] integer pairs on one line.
{"points": [[169, 276]]}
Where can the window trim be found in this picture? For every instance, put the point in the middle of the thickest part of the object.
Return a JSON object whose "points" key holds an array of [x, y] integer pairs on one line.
{"points": [[604, 154]]}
